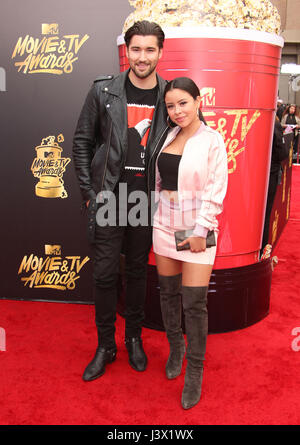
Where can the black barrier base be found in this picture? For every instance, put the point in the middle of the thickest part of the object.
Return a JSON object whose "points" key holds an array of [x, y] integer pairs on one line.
{"points": [[237, 298]]}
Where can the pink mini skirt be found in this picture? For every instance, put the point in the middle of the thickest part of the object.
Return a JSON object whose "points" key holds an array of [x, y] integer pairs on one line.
{"points": [[168, 219]]}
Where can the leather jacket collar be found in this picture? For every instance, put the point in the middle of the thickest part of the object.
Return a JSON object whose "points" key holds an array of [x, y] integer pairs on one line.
{"points": [[117, 85]]}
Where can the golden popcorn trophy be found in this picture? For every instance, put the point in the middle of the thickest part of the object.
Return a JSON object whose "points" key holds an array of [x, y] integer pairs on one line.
{"points": [[49, 167]]}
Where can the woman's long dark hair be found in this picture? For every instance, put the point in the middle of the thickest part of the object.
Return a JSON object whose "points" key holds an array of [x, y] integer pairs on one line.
{"points": [[287, 110], [188, 85]]}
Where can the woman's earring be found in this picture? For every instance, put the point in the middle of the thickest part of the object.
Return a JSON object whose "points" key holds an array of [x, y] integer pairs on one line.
{"points": [[201, 117], [169, 122]]}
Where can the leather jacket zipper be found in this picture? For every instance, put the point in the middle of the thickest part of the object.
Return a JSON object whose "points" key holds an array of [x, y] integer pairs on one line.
{"points": [[106, 157]]}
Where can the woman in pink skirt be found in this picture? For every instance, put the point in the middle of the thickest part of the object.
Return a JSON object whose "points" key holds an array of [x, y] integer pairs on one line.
{"points": [[191, 182]]}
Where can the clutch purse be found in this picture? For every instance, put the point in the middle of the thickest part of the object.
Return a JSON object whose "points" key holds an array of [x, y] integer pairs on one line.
{"points": [[184, 234]]}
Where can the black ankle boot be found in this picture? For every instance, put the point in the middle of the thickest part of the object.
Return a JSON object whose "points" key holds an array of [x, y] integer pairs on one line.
{"points": [[137, 357], [171, 309], [96, 367], [196, 326]]}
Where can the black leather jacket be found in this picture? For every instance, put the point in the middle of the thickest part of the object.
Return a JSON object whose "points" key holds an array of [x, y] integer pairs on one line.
{"points": [[100, 140]]}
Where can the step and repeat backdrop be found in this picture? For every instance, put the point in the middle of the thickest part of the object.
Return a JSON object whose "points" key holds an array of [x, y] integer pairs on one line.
{"points": [[50, 54]]}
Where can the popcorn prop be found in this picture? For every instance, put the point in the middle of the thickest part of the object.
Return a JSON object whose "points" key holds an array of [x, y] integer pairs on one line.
{"points": [[260, 15]]}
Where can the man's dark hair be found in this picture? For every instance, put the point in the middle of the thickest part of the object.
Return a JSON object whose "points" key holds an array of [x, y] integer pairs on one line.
{"points": [[145, 28]]}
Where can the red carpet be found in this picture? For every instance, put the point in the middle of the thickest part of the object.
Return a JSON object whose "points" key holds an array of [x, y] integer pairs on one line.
{"points": [[252, 376]]}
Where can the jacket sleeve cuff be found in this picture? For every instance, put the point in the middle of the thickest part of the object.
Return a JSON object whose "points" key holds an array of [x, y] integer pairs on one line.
{"points": [[200, 231], [88, 195]]}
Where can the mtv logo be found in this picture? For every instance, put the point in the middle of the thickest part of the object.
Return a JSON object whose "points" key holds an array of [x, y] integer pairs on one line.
{"points": [[51, 28], [52, 249], [2, 79], [49, 154], [208, 96]]}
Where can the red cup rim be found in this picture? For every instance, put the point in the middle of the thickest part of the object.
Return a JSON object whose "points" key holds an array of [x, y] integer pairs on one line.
{"points": [[217, 33]]}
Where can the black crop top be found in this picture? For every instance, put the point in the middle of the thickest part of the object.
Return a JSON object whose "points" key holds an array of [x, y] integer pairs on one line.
{"points": [[168, 164]]}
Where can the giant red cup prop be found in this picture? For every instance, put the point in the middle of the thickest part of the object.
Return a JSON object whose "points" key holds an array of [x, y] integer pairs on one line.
{"points": [[237, 72]]}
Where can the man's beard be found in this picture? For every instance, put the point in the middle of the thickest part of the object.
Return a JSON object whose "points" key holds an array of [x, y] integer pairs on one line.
{"points": [[145, 74]]}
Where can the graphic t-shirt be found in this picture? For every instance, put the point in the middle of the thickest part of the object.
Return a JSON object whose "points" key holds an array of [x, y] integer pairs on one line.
{"points": [[140, 110]]}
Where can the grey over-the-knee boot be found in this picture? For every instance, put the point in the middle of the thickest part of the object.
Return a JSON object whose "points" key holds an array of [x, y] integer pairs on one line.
{"points": [[194, 300], [171, 308]]}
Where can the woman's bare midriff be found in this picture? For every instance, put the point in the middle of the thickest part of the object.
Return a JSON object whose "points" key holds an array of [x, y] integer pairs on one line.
{"points": [[171, 195]]}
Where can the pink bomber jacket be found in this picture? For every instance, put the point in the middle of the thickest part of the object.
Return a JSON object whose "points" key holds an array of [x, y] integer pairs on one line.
{"points": [[202, 177]]}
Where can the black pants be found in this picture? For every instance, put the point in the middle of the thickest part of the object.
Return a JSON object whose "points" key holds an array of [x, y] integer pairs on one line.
{"points": [[135, 242], [295, 144]]}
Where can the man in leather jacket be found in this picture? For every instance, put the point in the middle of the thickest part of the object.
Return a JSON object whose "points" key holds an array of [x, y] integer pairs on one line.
{"points": [[121, 124]]}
